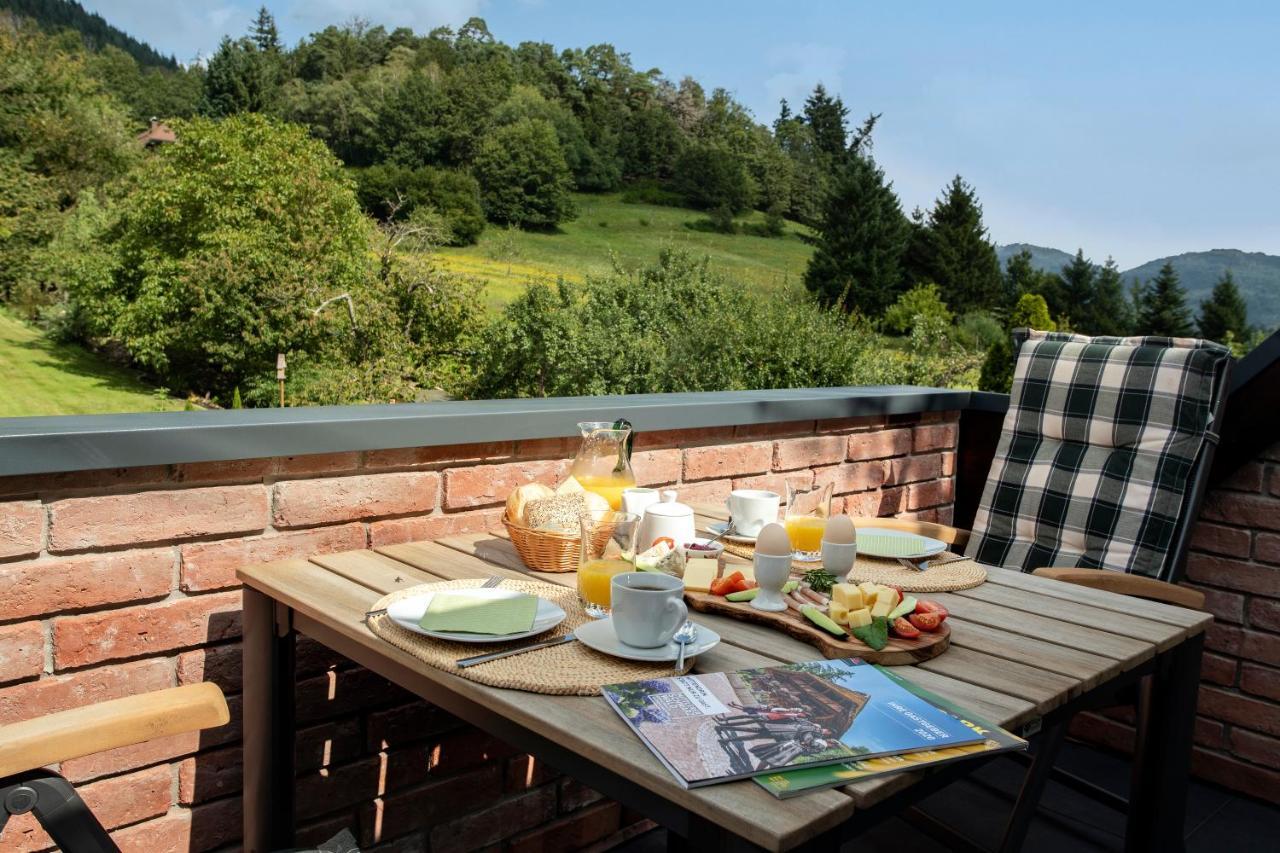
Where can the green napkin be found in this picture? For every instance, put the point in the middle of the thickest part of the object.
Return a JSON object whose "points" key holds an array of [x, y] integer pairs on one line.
{"points": [[452, 611]]}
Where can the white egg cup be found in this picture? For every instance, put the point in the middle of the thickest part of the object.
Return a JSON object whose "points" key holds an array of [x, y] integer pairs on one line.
{"points": [[772, 573], [838, 557]]}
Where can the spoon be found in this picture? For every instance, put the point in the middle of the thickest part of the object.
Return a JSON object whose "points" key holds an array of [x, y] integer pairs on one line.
{"points": [[728, 528], [687, 634]]}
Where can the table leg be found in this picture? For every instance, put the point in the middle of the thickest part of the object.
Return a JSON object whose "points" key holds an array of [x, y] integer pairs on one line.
{"points": [[1162, 758], [268, 664]]}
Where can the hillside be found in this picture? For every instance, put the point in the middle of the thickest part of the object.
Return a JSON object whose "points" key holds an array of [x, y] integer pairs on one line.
{"points": [[608, 230], [55, 15], [1256, 273]]}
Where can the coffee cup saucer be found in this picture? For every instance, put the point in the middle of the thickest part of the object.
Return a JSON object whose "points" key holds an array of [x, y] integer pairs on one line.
{"points": [[599, 635], [718, 528]]}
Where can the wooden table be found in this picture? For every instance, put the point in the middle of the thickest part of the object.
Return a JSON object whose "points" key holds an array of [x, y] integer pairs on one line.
{"points": [[1025, 652]]}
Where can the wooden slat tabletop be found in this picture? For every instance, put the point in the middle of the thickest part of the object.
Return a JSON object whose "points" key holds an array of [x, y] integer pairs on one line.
{"points": [[1020, 646]]}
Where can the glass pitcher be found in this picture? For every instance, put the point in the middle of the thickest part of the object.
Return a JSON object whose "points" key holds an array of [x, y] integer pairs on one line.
{"points": [[603, 462], [807, 512]]}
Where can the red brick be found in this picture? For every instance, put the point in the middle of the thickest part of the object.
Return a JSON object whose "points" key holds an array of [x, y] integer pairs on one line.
{"points": [[948, 463], [1217, 539], [146, 629], [1260, 647], [878, 444], [57, 693], [773, 430], [1234, 574], [80, 481], [575, 795], [934, 437], [115, 802], [570, 833], [1257, 748], [224, 471], [656, 467], [212, 565], [1217, 669], [789, 453], [408, 724], [313, 658], [312, 835], [303, 503], [133, 519], [727, 460], [337, 787], [1224, 638], [132, 757], [209, 775], [777, 483], [1209, 733], [910, 469], [1246, 478], [219, 664], [851, 476], [709, 492], [932, 493], [1239, 710], [56, 585], [21, 651], [1252, 511], [215, 824], [339, 693], [1266, 547], [495, 823], [463, 749], [169, 833], [878, 504], [486, 485], [1097, 729], [1264, 613], [682, 437], [1260, 681], [1235, 774], [397, 530], [400, 812], [850, 424], [317, 463], [525, 772], [445, 454], [1226, 606], [21, 528]]}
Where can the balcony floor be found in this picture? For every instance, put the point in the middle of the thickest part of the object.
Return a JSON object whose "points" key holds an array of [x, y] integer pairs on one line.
{"points": [[1068, 822]]}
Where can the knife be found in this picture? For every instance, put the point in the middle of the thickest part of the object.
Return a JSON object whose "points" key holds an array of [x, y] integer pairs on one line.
{"points": [[519, 650]]}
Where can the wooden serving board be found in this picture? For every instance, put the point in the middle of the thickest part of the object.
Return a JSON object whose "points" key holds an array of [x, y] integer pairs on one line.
{"points": [[898, 652]]}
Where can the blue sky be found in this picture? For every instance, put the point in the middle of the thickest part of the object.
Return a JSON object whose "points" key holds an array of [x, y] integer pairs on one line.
{"points": [[1131, 129]]}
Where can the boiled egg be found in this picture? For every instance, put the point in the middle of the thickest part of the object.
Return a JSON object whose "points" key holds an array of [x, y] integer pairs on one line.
{"points": [[840, 530], [773, 541]]}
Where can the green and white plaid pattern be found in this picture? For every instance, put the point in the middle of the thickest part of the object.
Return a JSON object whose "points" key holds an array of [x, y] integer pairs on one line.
{"points": [[1097, 452]]}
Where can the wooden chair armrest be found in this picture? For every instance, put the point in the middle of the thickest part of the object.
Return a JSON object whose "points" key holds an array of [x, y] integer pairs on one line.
{"points": [[1134, 585], [107, 725], [951, 535]]}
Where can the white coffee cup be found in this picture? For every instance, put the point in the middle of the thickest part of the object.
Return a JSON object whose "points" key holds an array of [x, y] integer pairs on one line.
{"points": [[752, 509], [647, 608]]}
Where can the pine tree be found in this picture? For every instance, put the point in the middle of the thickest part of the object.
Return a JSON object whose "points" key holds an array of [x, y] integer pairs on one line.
{"points": [[826, 116], [957, 254], [1162, 306], [263, 32], [1021, 276], [860, 242], [1112, 312], [1076, 284], [1224, 313]]}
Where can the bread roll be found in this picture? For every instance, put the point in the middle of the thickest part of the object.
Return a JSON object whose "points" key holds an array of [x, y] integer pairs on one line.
{"points": [[518, 500], [570, 486], [595, 502], [559, 513]]}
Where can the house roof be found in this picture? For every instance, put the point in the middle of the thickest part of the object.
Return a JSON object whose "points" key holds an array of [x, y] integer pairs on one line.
{"points": [[157, 133]]}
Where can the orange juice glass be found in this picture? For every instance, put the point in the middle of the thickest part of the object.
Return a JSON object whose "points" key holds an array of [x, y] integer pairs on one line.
{"points": [[805, 532], [607, 548], [806, 519]]}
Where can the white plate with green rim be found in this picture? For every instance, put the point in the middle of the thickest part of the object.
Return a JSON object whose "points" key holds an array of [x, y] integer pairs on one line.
{"points": [[408, 613], [894, 544]]}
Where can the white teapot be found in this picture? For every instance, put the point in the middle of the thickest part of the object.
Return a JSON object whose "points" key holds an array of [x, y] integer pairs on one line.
{"points": [[666, 518]]}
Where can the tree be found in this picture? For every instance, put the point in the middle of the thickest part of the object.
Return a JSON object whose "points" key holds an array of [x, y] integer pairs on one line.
{"points": [[1076, 283], [957, 254], [1162, 306], [1112, 312], [857, 261], [523, 177], [1031, 312], [1224, 314], [264, 33], [1022, 276], [711, 177], [240, 79], [826, 116], [921, 301]]}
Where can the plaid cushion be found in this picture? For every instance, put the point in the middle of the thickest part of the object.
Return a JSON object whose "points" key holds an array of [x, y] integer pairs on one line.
{"points": [[1097, 452]]}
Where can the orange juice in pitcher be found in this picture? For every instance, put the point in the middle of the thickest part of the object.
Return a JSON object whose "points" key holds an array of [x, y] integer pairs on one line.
{"points": [[603, 462]]}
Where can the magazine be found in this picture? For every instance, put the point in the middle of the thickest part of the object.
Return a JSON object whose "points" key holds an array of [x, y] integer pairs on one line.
{"points": [[720, 726], [792, 783]]}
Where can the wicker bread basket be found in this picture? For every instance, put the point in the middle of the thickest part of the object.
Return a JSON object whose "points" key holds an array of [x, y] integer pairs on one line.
{"points": [[547, 550]]}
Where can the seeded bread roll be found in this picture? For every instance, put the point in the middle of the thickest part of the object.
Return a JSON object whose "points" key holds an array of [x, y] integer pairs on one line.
{"points": [[560, 513], [518, 500]]}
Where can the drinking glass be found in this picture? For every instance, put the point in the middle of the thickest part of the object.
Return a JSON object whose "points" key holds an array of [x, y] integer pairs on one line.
{"points": [[806, 518], [608, 548]]}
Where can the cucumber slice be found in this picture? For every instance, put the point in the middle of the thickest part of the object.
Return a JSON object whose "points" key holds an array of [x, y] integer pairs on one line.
{"points": [[744, 595], [904, 607], [790, 586], [822, 620]]}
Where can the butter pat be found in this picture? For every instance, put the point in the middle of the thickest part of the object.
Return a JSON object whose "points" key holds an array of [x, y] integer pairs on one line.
{"points": [[699, 573]]}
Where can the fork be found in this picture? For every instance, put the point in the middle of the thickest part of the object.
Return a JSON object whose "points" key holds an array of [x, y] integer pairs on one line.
{"points": [[489, 583]]}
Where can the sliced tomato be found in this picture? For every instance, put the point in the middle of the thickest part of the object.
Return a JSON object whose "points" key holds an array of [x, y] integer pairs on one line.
{"points": [[925, 621], [932, 607], [741, 585], [727, 584], [904, 629], [671, 543]]}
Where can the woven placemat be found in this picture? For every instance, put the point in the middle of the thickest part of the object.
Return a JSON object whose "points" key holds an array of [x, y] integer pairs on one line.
{"points": [[941, 576], [570, 669]]}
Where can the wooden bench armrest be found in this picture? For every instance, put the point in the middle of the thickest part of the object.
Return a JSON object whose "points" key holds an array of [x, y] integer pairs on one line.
{"points": [[1134, 585], [951, 535], [107, 725]]}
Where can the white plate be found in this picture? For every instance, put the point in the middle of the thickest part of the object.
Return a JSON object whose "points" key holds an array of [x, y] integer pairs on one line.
{"points": [[867, 546], [718, 528], [599, 635], [408, 612]]}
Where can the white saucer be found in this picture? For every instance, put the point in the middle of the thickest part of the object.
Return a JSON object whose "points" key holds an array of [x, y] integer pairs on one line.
{"points": [[718, 528], [599, 635], [408, 613], [868, 545]]}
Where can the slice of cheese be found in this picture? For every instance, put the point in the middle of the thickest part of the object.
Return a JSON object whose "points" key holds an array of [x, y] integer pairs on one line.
{"points": [[699, 573], [848, 595], [838, 612], [881, 607], [859, 617]]}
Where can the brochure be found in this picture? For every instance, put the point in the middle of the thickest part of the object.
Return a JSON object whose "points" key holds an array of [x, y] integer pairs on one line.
{"points": [[792, 783], [720, 726]]}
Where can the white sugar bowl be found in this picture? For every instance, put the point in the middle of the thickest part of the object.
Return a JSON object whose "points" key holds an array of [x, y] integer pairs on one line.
{"points": [[667, 518]]}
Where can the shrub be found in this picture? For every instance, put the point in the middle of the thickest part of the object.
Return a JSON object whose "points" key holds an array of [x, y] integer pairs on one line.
{"points": [[386, 189], [979, 330], [710, 177], [921, 301], [1032, 312], [651, 192], [523, 177]]}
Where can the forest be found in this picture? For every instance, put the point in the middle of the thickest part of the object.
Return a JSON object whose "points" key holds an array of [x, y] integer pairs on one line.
{"points": [[301, 208]]}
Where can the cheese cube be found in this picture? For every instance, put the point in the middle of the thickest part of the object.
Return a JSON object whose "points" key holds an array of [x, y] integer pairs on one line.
{"points": [[889, 594], [859, 617], [881, 607], [699, 573], [838, 612], [848, 595], [869, 592]]}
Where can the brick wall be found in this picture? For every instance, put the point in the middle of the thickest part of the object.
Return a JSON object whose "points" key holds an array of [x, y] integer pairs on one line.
{"points": [[122, 581], [1235, 562]]}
